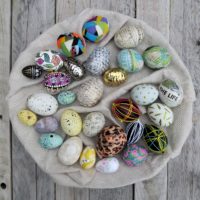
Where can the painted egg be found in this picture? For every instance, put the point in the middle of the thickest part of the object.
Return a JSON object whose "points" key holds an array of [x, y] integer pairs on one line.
{"points": [[134, 131], [50, 140], [90, 92], [71, 122], [170, 93], [70, 151], [88, 158], [107, 165], [27, 117], [111, 141], [93, 124], [144, 94], [114, 77], [49, 60], [46, 124], [155, 139], [95, 29], [54, 82], [125, 110], [71, 44], [160, 114], [66, 97], [128, 36], [134, 155], [130, 60], [32, 71], [98, 61], [156, 57], [42, 104]]}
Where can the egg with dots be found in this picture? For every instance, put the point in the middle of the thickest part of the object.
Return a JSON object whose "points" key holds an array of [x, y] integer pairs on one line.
{"points": [[27, 117]]}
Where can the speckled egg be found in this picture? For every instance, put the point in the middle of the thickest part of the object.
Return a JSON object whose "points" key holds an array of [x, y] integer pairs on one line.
{"points": [[134, 155], [70, 151], [66, 97], [42, 104], [144, 94], [32, 71], [27, 117], [170, 93], [88, 157], [93, 124], [71, 122], [130, 60], [107, 165], [50, 140]]}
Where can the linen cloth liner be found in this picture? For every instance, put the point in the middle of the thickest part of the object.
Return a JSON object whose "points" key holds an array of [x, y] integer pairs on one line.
{"points": [[21, 88]]}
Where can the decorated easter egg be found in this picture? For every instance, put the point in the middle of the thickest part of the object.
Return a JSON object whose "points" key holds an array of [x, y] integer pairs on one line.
{"points": [[32, 71], [42, 104], [27, 117], [129, 36], [49, 60], [155, 139], [93, 123], [114, 77], [107, 165], [170, 93], [130, 60], [134, 155], [160, 114], [88, 157], [46, 124], [111, 141], [125, 110], [70, 151], [144, 94], [71, 44], [98, 61], [66, 97], [50, 140], [134, 131], [71, 122], [156, 57], [90, 92], [95, 29]]}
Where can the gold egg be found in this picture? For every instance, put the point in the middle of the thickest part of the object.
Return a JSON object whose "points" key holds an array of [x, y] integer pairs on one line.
{"points": [[114, 77]]}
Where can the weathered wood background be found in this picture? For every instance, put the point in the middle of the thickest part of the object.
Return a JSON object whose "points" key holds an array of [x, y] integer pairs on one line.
{"points": [[21, 21]]}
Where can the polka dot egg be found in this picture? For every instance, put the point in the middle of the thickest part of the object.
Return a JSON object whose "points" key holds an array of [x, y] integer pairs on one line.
{"points": [[66, 97]]}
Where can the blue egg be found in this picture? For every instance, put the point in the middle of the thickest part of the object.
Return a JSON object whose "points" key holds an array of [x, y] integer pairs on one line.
{"points": [[66, 97]]}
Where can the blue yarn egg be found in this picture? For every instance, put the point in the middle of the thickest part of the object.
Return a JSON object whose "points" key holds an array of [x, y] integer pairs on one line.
{"points": [[66, 97]]}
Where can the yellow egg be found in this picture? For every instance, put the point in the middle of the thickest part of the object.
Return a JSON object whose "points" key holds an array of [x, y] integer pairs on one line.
{"points": [[88, 158], [27, 117]]}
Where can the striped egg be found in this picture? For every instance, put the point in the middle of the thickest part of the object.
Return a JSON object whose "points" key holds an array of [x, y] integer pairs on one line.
{"points": [[32, 71]]}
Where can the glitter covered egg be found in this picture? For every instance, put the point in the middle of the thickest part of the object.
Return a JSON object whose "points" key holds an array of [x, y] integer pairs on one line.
{"points": [[27, 117], [107, 165], [88, 157], [32, 71], [66, 97]]}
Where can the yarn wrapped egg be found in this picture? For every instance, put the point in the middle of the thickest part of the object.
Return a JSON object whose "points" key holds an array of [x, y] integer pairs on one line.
{"points": [[130, 60], [129, 36], [155, 139], [27, 117], [125, 110], [71, 44], [111, 141], [88, 157], [66, 97], [156, 57], [95, 29], [32, 71]]}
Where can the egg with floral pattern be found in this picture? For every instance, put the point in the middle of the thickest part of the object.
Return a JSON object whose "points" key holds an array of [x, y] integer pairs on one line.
{"points": [[107, 165]]}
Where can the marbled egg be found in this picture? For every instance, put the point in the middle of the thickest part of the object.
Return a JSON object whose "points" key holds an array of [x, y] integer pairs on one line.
{"points": [[32, 71], [134, 155], [70, 151], [144, 94], [129, 36], [156, 57], [42, 104], [130, 60], [46, 124], [160, 114], [50, 140], [27, 117], [88, 157], [66, 97], [170, 93], [93, 124], [90, 92], [71, 122], [107, 165]]}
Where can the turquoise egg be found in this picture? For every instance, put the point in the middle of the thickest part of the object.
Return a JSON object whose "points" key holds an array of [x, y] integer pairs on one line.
{"points": [[66, 97], [50, 140]]}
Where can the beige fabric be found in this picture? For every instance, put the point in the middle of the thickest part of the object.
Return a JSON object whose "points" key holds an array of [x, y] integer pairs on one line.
{"points": [[21, 88]]}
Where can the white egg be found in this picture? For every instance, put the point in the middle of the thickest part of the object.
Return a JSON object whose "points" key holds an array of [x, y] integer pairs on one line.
{"points": [[107, 165]]}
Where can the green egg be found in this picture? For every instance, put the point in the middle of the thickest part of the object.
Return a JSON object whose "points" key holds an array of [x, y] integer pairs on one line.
{"points": [[66, 97]]}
